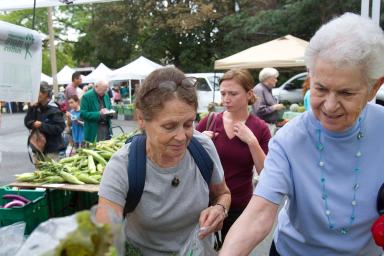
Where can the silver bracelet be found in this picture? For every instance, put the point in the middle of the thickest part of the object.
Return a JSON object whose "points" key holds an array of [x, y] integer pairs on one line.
{"points": [[224, 208]]}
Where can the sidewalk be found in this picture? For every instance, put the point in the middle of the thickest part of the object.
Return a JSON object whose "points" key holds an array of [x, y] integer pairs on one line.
{"points": [[121, 125]]}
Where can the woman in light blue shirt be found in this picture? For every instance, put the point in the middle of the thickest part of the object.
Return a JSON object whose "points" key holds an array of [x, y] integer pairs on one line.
{"points": [[328, 162]]}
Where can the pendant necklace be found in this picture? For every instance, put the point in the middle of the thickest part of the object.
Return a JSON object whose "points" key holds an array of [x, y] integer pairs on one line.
{"points": [[354, 188]]}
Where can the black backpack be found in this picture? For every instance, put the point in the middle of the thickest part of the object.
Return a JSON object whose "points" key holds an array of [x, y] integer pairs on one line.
{"points": [[137, 167]]}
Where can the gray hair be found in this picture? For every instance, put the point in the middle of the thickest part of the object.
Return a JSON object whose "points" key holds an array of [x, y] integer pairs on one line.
{"points": [[349, 40], [46, 88], [266, 73]]}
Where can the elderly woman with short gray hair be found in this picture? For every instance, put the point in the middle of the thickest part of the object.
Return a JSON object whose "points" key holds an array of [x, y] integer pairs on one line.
{"points": [[327, 161], [266, 106]]}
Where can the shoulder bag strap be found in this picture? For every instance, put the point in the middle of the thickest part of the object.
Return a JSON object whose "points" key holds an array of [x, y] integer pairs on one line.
{"points": [[210, 121]]}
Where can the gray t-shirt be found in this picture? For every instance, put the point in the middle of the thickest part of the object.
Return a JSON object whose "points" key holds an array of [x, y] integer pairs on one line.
{"points": [[166, 214]]}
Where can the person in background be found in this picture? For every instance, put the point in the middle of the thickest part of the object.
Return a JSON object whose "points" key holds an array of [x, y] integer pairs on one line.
{"points": [[306, 94], [266, 107], [74, 120], [79, 92], [61, 100], [94, 110], [116, 95], [241, 139], [47, 117], [167, 212], [71, 88], [326, 162], [124, 89]]}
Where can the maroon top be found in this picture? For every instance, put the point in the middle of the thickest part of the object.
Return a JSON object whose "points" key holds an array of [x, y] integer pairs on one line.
{"points": [[236, 157], [70, 91]]}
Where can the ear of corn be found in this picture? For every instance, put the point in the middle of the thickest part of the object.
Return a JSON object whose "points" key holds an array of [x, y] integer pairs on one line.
{"points": [[85, 167]]}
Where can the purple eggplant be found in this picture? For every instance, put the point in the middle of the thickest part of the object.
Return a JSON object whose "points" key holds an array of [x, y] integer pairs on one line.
{"points": [[14, 203], [16, 197]]}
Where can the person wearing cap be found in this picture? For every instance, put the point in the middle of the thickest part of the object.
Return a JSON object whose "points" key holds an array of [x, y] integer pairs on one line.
{"points": [[47, 117]]}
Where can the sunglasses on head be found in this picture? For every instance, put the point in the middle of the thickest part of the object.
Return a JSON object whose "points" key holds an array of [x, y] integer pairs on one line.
{"points": [[172, 85], [380, 200]]}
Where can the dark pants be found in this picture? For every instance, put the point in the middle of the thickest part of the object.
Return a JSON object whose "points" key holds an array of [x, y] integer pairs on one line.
{"points": [[273, 251], [227, 224]]}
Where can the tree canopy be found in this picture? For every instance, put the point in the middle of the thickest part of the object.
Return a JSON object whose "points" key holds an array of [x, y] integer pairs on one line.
{"points": [[188, 34]]}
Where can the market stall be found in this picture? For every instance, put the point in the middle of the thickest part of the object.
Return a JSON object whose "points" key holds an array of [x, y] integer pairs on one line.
{"points": [[57, 188]]}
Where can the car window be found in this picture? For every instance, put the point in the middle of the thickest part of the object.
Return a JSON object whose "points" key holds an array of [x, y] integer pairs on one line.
{"points": [[214, 80], [202, 85], [297, 83]]}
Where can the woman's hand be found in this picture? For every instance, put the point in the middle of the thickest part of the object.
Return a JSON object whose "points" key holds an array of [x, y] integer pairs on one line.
{"points": [[244, 133], [211, 220], [37, 124], [210, 134]]}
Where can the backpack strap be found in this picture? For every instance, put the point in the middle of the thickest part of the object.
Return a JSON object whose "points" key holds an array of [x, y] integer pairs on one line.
{"points": [[202, 159], [137, 159], [137, 167]]}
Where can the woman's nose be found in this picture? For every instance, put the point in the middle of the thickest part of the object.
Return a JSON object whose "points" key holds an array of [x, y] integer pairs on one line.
{"points": [[331, 103]]}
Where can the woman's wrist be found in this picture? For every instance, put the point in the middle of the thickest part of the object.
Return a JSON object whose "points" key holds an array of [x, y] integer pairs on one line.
{"points": [[225, 209]]}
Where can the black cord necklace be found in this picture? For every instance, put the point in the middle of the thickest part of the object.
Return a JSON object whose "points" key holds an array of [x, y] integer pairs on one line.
{"points": [[175, 181]]}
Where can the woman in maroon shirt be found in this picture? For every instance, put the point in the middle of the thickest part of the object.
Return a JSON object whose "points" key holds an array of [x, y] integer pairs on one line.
{"points": [[241, 139]]}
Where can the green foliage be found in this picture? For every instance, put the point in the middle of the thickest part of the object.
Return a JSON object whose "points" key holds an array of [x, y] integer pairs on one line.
{"points": [[64, 50], [188, 34]]}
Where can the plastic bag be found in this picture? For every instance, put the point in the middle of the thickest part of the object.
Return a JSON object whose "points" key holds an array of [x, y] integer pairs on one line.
{"points": [[194, 246], [49, 235], [11, 238]]}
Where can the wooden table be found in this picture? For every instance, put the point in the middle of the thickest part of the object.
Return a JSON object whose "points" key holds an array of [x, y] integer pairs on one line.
{"points": [[72, 187]]}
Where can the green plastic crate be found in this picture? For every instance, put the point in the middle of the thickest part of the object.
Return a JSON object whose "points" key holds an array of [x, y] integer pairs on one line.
{"points": [[64, 202], [128, 111], [86, 200], [32, 213], [61, 203]]}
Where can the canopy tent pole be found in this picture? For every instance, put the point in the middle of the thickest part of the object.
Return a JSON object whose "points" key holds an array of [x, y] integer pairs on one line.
{"points": [[130, 91], [34, 14], [52, 49]]}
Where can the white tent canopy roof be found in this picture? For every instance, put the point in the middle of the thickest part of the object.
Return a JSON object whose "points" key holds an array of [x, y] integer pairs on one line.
{"points": [[100, 73], [286, 51], [64, 76], [9, 5], [137, 69], [46, 78]]}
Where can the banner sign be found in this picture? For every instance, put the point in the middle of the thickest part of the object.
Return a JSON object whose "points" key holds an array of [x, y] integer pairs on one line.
{"points": [[20, 63]]}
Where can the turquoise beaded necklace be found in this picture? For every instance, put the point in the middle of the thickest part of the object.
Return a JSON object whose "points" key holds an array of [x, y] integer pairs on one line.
{"points": [[355, 187]]}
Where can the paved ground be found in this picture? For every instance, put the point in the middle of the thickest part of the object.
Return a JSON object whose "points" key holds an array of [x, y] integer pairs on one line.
{"points": [[14, 157]]}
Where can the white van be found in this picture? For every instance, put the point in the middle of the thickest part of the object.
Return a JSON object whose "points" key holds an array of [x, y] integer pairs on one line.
{"points": [[207, 88]]}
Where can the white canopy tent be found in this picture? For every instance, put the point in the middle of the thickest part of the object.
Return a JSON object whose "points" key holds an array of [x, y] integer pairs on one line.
{"points": [[100, 73], [64, 76], [46, 78], [138, 69], [286, 51]]}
